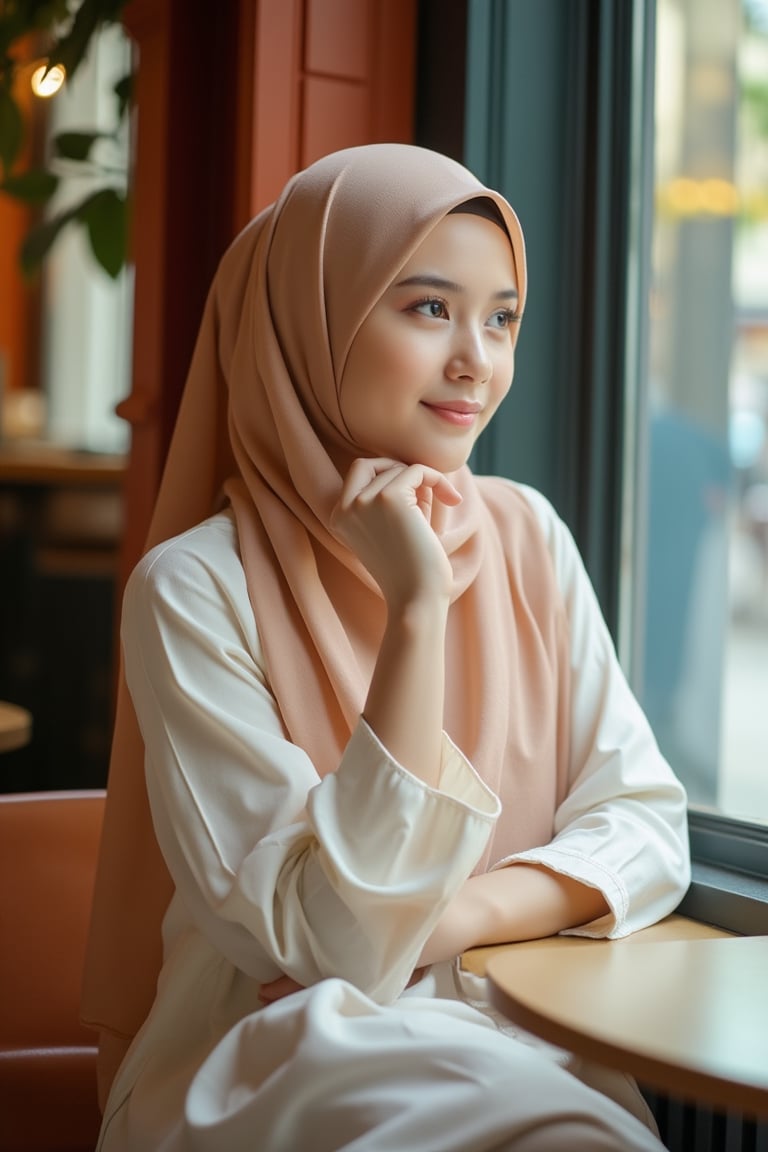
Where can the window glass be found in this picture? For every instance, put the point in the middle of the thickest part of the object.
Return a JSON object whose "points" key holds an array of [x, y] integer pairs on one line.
{"points": [[86, 323], [704, 441]]}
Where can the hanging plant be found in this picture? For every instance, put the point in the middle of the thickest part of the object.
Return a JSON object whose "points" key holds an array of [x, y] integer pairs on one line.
{"points": [[69, 28]]}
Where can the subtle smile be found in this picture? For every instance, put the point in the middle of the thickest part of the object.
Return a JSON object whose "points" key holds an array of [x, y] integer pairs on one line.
{"points": [[461, 413]]}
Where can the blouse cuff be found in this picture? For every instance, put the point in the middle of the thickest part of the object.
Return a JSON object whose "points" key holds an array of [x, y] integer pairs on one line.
{"points": [[458, 779], [590, 872]]}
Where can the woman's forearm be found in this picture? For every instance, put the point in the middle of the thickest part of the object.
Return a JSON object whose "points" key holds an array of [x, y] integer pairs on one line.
{"points": [[405, 699], [385, 517], [519, 902]]}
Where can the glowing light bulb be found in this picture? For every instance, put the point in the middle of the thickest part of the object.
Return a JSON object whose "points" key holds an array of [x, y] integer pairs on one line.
{"points": [[47, 83]]}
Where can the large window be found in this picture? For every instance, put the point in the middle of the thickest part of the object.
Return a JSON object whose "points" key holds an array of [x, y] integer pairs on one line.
{"points": [[632, 137], [703, 439]]}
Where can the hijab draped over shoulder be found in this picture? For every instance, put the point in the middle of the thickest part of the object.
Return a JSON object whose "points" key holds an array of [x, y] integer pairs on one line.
{"points": [[261, 420]]}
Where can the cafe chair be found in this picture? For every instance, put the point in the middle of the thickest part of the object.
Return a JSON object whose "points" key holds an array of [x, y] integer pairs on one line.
{"points": [[48, 847]]}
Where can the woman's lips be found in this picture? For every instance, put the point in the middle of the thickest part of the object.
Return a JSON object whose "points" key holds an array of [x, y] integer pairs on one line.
{"points": [[458, 412]]}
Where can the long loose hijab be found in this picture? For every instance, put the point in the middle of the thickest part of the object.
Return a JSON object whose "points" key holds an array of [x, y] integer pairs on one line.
{"points": [[262, 420]]}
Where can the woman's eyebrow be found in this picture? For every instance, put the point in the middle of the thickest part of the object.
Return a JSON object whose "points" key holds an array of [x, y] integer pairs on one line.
{"points": [[426, 281]]}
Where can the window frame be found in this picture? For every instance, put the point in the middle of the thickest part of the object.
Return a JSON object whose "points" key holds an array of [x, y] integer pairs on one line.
{"points": [[729, 886], [572, 434]]}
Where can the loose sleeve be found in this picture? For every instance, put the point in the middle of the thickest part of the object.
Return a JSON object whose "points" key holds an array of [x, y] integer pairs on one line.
{"points": [[622, 827], [282, 871]]}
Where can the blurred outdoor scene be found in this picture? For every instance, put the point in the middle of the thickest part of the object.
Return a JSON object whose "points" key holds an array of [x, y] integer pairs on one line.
{"points": [[705, 679]]}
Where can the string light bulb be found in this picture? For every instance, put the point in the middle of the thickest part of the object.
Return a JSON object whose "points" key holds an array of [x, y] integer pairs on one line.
{"points": [[46, 81]]}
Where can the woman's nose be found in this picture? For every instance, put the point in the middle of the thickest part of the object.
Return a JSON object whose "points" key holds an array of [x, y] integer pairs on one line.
{"points": [[469, 358]]}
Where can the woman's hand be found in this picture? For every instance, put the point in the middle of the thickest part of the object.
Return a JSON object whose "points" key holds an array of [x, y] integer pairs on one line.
{"points": [[385, 516], [277, 989]]}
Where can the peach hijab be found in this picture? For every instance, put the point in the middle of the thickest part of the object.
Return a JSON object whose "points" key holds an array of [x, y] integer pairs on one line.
{"points": [[263, 402]]}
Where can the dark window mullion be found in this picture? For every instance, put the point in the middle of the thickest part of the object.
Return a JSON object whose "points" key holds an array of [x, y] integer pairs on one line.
{"points": [[548, 119]]}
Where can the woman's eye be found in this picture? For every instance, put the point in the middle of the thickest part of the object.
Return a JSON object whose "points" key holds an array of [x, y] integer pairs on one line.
{"points": [[432, 307], [504, 318]]}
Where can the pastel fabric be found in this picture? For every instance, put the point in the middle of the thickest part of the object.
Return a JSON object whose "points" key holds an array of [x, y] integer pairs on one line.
{"points": [[278, 870], [274, 833], [261, 409]]}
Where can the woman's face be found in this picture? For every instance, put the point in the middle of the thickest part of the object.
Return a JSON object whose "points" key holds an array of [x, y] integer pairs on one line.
{"points": [[435, 357]]}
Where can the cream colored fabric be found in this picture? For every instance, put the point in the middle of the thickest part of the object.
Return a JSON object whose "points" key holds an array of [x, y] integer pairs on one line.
{"points": [[264, 886], [258, 793], [262, 406]]}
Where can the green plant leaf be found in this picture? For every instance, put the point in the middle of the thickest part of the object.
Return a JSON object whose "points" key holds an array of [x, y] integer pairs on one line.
{"points": [[72, 48], [124, 92], [17, 19], [33, 187], [38, 241], [11, 130], [105, 216], [76, 145], [44, 13]]}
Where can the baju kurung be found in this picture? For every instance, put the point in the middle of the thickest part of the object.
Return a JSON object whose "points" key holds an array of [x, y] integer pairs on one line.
{"points": [[337, 881]]}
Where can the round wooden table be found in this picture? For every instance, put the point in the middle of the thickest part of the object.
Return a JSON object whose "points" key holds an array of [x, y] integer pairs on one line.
{"points": [[15, 726], [682, 1013]]}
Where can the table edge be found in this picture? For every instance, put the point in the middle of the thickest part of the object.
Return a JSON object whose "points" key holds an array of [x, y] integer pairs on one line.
{"points": [[694, 1084]]}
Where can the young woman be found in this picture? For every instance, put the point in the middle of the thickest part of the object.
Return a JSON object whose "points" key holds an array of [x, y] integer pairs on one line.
{"points": [[383, 718]]}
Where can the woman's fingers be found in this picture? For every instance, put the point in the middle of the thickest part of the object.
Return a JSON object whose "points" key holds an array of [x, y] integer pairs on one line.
{"points": [[277, 989], [384, 516], [369, 477]]}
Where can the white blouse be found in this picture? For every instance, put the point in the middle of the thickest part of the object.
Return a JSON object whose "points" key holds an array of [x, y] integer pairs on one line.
{"points": [[277, 871]]}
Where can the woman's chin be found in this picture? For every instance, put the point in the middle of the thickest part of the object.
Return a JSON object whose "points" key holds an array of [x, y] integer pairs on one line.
{"points": [[443, 461]]}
